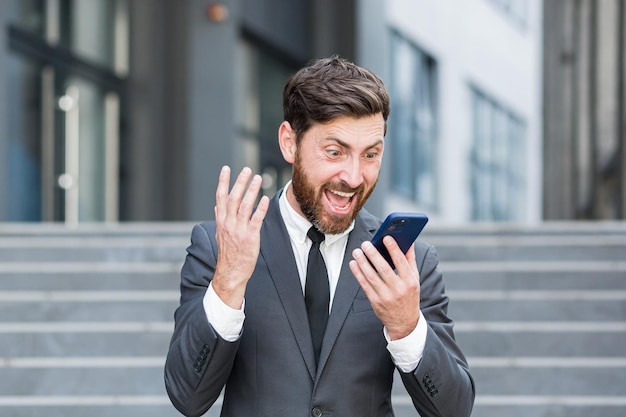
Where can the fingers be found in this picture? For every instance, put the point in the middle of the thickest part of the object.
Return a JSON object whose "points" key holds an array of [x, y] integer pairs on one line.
{"points": [[379, 263], [239, 202], [362, 270], [371, 269], [259, 214], [411, 260], [234, 201], [221, 195], [249, 199], [403, 262], [394, 297]]}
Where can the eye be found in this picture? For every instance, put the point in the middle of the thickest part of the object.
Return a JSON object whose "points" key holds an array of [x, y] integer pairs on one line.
{"points": [[333, 152], [371, 155]]}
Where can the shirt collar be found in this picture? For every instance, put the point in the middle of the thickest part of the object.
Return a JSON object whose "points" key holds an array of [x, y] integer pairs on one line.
{"points": [[298, 226]]}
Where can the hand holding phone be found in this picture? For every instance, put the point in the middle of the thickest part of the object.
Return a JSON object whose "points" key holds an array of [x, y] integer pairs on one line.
{"points": [[403, 227]]}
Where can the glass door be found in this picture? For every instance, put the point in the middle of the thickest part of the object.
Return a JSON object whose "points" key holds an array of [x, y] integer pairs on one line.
{"points": [[66, 88]]}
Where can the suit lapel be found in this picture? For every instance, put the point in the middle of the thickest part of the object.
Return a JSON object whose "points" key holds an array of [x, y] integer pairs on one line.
{"points": [[277, 252], [347, 288]]}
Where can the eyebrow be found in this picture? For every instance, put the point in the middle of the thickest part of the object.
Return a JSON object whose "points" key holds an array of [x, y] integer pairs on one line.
{"points": [[347, 145]]}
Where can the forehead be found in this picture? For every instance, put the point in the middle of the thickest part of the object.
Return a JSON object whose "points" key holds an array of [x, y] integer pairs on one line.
{"points": [[350, 129]]}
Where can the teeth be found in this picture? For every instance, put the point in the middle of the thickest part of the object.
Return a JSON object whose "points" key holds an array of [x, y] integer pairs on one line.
{"points": [[342, 194]]}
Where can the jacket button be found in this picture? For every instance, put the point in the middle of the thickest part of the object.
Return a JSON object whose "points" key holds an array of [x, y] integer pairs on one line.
{"points": [[316, 412]]}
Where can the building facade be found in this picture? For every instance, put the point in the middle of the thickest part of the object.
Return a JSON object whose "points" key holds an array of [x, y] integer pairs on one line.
{"points": [[585, 110], [125, 110], [467, 86]]}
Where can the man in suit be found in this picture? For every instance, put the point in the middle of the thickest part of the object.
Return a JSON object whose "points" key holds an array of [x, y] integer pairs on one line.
{"points": [[246, 321]]}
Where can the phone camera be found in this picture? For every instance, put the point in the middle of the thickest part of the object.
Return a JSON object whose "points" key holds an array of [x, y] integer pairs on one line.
{"points": [[398, 223]]}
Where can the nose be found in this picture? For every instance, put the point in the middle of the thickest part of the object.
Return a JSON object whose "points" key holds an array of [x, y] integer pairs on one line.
{"points": [[352, 173]]}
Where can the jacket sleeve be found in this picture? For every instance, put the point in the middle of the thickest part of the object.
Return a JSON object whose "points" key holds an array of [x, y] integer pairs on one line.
{"points": [[199, 361], [441, 385]]}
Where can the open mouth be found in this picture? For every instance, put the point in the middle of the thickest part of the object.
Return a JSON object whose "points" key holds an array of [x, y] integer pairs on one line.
{"points": [[340, 202]]}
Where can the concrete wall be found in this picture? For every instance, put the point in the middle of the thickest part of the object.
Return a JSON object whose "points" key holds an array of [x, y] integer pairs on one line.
{"points": [[585, 110], [3, 110]]}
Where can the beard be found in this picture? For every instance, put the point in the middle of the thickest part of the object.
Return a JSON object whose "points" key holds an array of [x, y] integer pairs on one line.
{"points": [[311, 205]]}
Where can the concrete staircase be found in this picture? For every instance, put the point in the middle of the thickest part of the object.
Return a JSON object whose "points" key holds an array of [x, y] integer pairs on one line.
{"points": [[541, 315], [86, 316]]}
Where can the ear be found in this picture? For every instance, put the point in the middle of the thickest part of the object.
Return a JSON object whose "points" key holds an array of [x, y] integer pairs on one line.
{"points": [[287, 142]]}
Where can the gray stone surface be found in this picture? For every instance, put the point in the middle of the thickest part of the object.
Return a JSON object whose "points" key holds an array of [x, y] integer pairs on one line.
{"points": [[86, 315]]}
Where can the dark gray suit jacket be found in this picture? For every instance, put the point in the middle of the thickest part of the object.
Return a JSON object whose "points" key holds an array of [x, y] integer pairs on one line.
{"points": [[271, 371]]}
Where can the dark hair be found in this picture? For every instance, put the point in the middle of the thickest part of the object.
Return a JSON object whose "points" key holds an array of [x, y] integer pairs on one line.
{"points": [[329, 88]]}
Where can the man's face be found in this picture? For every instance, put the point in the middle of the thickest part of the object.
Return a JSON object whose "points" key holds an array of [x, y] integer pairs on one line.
{"points": [[335, 170]]}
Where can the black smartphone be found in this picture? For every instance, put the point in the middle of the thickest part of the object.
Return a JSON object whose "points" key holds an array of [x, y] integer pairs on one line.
{"points": [[403, 227]]}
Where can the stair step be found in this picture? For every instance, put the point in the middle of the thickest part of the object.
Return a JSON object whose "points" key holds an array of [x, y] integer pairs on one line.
{"points": [[82, 381], [161, 308], [75, 344], [542, 343], [116, 251], [553, 406], [148, 279], [543, 381], [92, 406], [607, 306], [488, 280]]}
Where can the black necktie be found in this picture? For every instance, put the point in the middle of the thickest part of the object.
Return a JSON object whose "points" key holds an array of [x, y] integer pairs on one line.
{"points": [[316, 291]]}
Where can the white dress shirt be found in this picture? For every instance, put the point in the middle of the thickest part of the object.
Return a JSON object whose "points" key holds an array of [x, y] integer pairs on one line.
{"points": [[228, 322]]}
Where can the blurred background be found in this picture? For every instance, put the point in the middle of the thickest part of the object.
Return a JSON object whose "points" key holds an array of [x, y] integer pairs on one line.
{"points": [[508, 127], [125, 110]]}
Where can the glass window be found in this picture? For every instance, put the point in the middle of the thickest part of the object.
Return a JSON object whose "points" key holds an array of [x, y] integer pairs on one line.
{"points": [[412, 124], [497, 161], [95, 30], [28, 14], [88, 29], [61, 153], [21, 161]]}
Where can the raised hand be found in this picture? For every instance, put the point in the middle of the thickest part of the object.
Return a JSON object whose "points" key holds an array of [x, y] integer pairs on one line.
{"points": [[238, 233]]}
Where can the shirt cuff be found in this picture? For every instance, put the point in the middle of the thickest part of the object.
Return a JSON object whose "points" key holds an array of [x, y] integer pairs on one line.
{"points": [[407, 352], [226, 321]]}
